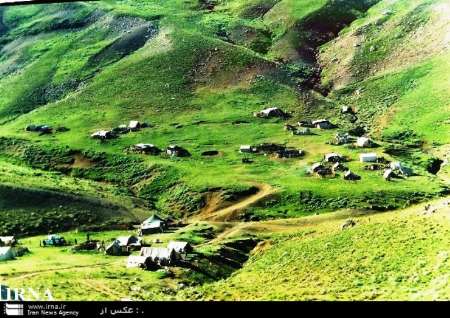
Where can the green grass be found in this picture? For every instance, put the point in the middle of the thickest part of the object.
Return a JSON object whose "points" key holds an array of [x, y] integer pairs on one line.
{"points": [[200, 72], [395, 256], [81, 276]]}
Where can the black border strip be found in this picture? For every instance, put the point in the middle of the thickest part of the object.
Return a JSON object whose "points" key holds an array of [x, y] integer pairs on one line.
{"points": [[31, 2]]}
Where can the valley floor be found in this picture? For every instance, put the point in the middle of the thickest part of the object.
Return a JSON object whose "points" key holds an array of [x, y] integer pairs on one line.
{"points": [[396, 255]]}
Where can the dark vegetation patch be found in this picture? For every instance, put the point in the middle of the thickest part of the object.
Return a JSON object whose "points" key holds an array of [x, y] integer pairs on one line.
{"points": [[434, 165], [3, 28], [215, 262], [58, 17], [197, 233], [207, 4], [258, 10], [258, 40], [317, 29], [123, 46], [306, 202], [415, 19], [210, 153], [25, 211]]}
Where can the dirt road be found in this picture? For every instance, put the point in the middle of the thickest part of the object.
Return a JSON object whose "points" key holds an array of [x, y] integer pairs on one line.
{"points": [[230, 213]]}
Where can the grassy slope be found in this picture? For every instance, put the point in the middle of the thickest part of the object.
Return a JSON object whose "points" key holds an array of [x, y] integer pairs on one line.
{"points": [[205, 71], [82, 276], [158, 84], [401, 85], [397, 256]]}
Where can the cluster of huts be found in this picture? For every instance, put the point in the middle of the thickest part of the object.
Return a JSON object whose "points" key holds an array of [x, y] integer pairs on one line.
{"points": [[124, 245], [151, 149], [133, 125], [152, 258], [333, 163], [44, 129], [358, 142], [280, 151], [392, 170], [149, 257]]}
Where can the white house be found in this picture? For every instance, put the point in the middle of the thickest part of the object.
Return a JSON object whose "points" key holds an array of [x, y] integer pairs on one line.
{"points": [[333, 157], [179, 247], [136, 261], [6, 253], [363, 142], [134, 125], [271, 112], [8, 240], [102, 134], [247, 149], [323, 124]]}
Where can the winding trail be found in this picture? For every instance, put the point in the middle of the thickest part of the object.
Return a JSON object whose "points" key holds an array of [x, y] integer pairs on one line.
{"points": [[438, 207], [230, 213]]}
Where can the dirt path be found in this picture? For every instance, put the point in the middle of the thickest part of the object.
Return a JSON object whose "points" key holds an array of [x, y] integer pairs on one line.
{"points": [[230, 213], [441, 205]]}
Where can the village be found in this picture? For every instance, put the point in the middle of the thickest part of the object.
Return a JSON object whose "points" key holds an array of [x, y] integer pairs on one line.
{"points": [[140, 253], [225, 150], [331, 165], [154, 255]]}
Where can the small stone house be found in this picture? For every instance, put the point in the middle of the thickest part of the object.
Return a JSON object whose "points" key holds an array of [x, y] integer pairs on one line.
{"points": [[333, 157], [177, 151], [147, 149], [103, 134], [161, 256], [154, 224], [181, 248], [323, 124], [134, 125], [351, 176], [271, 113], [363, 142]]}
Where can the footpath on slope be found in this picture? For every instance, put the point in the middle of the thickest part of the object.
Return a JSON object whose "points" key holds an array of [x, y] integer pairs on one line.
{"points": [[231, 213]]}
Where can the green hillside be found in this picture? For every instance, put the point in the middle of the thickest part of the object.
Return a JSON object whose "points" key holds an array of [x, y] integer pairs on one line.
{"points": [[196, 71], [395, 256]]}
